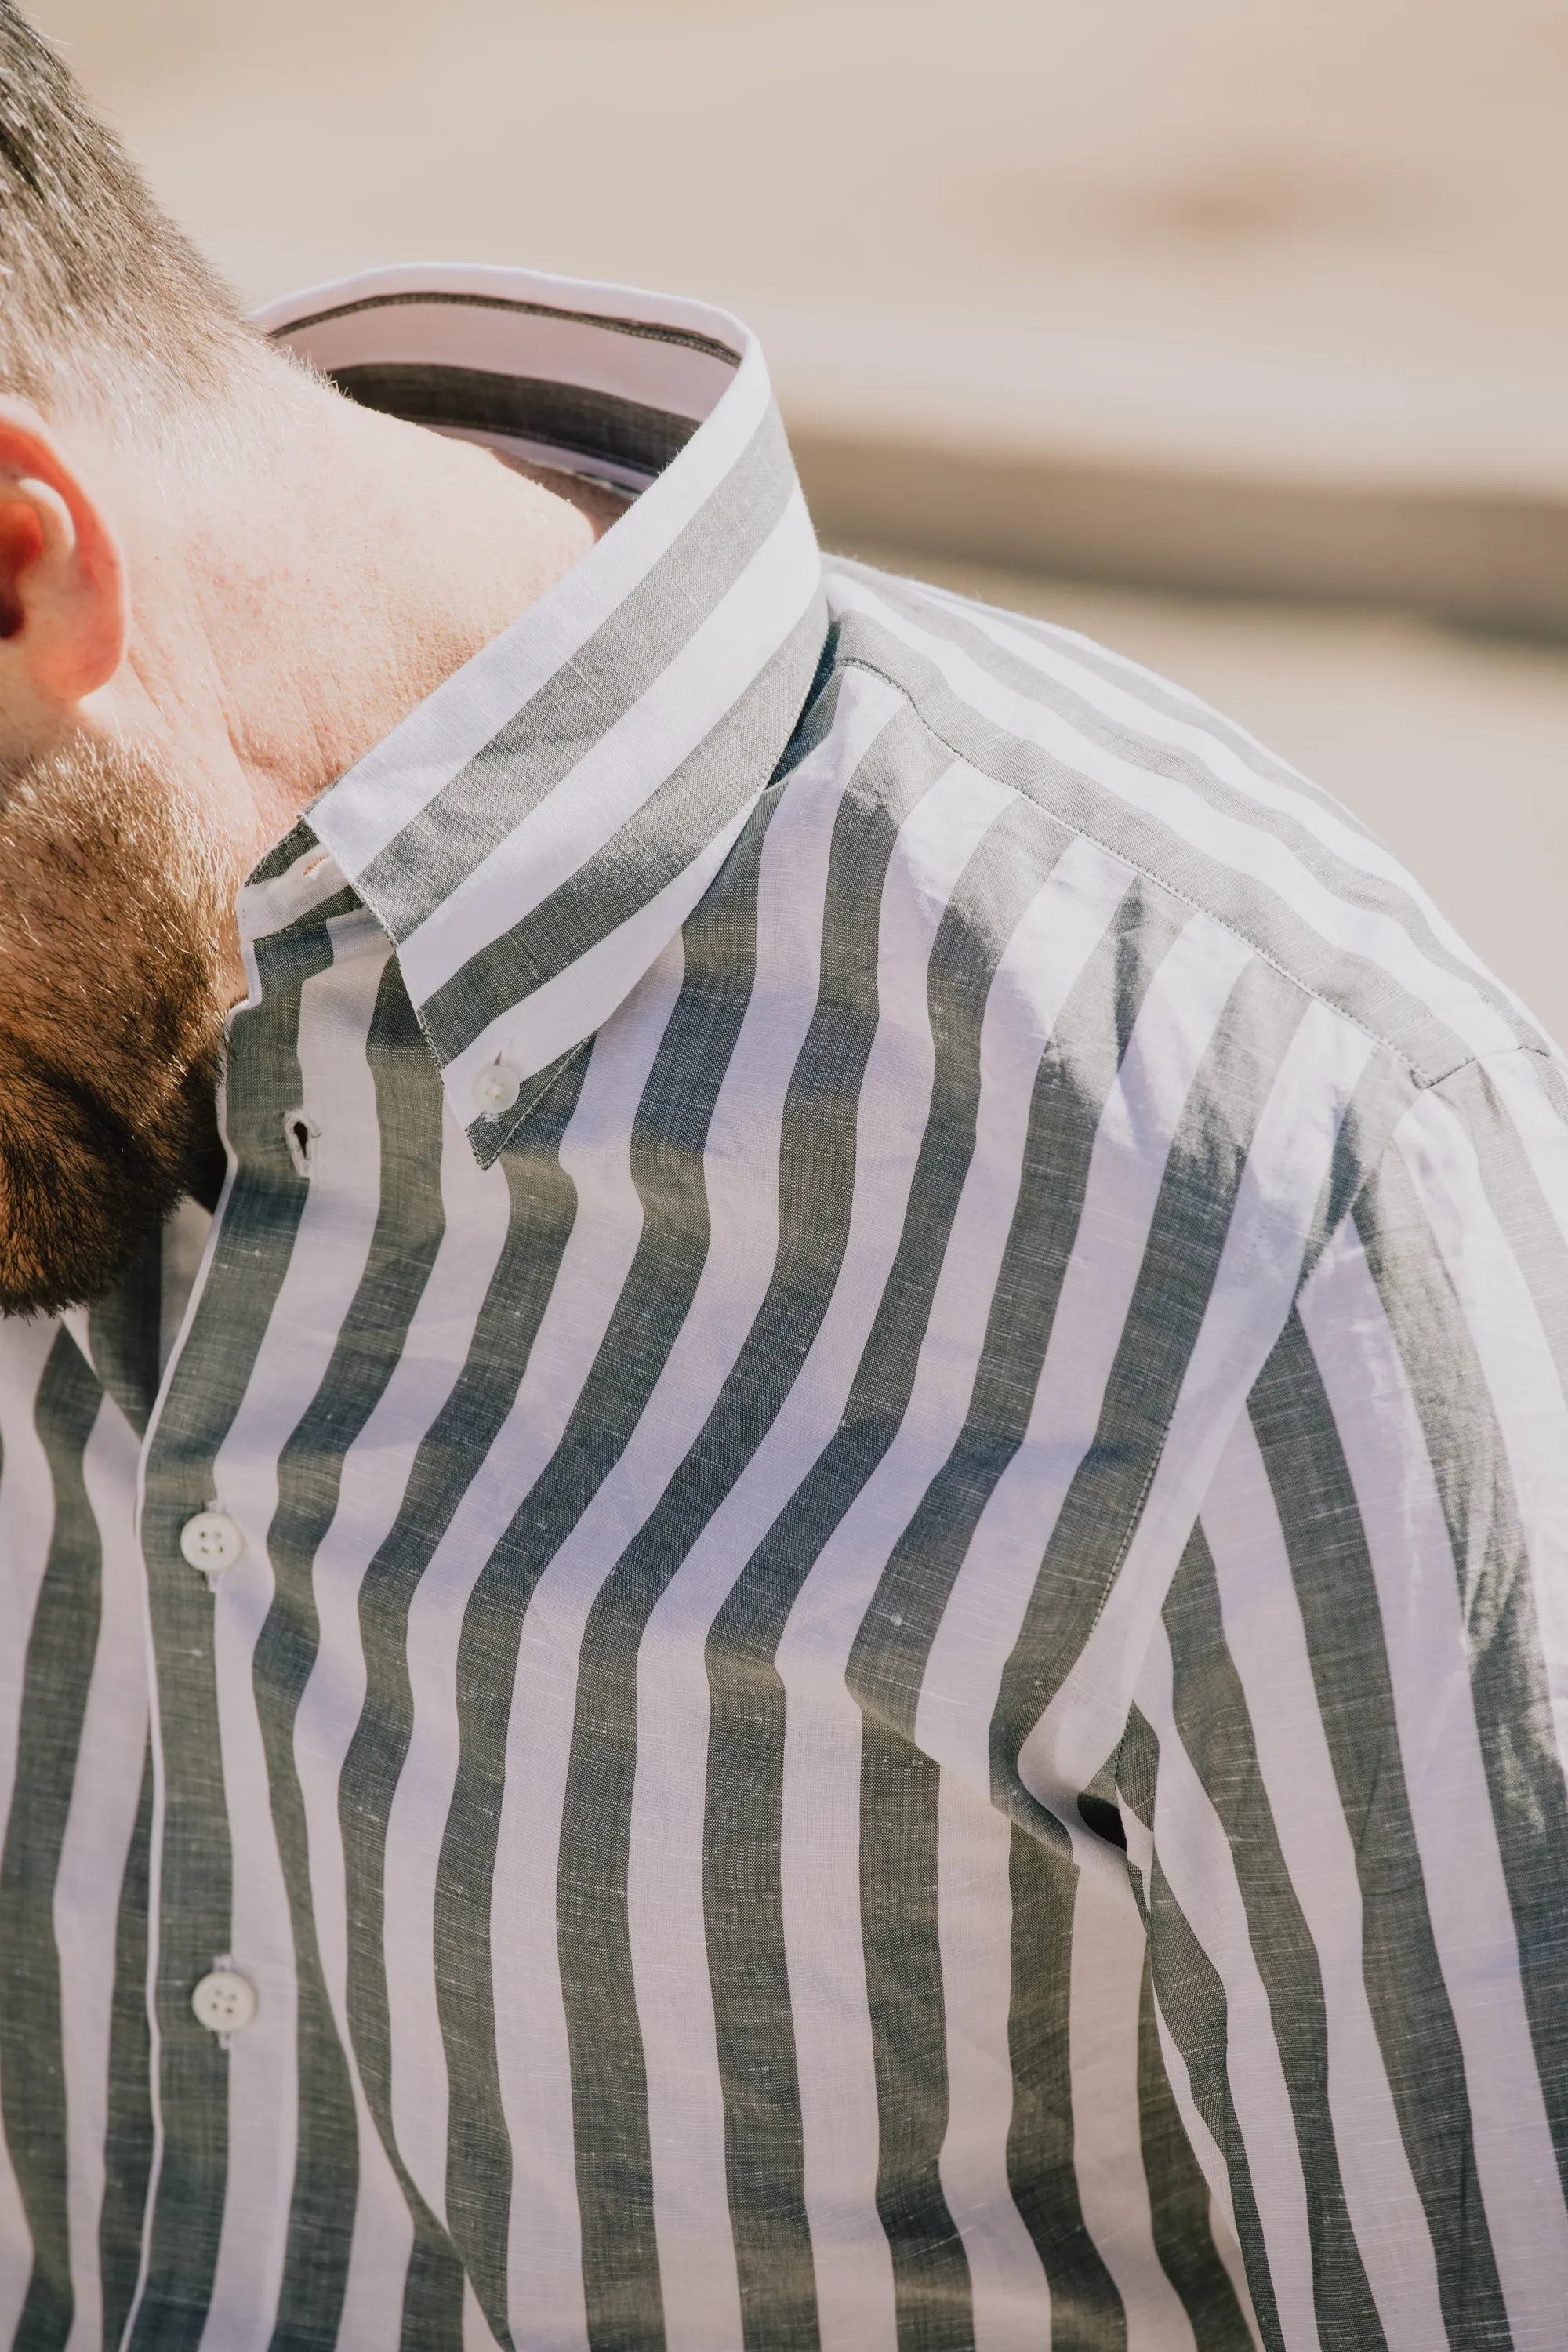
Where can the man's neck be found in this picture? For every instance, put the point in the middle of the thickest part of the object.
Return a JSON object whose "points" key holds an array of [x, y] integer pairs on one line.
{"points": [[314, 600]]}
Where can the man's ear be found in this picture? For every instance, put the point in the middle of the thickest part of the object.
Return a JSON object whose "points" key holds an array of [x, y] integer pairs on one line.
{"points": [[64, 607]]}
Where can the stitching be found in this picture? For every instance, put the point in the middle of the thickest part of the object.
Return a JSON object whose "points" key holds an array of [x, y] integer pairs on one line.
{"points": [[1304, 987], [488, 1147]]}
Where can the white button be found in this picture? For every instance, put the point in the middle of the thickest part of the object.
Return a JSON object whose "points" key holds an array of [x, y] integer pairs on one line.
{"points": [[224, 2001], [211, 1541], [496, 1089]]}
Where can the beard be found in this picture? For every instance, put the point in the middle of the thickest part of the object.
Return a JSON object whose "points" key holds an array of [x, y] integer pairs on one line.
{"points": [[113, 899]]}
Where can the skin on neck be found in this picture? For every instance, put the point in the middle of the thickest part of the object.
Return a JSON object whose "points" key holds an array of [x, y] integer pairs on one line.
{"points": [[261, 616]]}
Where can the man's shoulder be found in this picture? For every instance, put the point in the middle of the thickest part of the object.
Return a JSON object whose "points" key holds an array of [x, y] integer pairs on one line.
{"points": [[1209, 821]]}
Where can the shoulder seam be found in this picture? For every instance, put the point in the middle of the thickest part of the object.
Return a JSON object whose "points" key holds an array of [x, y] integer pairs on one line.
{"points": [[1294, 979]]}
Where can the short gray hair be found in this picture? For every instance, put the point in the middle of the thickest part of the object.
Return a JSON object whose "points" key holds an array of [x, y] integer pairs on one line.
{"points": [[103, 301]]}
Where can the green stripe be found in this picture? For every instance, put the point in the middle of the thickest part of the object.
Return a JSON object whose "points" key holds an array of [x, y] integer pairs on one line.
{"points": [[899, 1817], [1179, 2199], [619, 2258], [1215, 1729], [1359, 988], [1126, 738], [669, 833], [449, 1455], [61, 1642], [1191, 2002], [128, 2137], [614, 2174], [571, 418], [255, 1244], [899, 1787], [1401, 1968], [889, 1660], [745, 1928], [1076, 1073], [1086, 2309], [408, 1230], [1510, 1684], [484, 804], [1515, 1187], [1185, 1244], [432, 2300]]}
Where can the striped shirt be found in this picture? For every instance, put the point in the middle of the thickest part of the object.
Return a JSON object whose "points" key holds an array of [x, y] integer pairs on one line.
{"points": [[840, 1617]]}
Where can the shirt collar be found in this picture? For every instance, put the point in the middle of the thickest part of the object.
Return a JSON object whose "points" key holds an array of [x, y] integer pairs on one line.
{"points": [[535, 833]]}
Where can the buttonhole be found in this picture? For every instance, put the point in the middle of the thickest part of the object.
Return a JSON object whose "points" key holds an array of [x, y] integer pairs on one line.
{"points": [[313, 867], [299, 1134]]}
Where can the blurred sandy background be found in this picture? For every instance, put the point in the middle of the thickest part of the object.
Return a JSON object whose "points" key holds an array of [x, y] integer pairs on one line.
{"points": [[1314, 242]]}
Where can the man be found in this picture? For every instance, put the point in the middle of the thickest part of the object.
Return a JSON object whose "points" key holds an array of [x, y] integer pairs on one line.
{"points": [[830, 1610]]}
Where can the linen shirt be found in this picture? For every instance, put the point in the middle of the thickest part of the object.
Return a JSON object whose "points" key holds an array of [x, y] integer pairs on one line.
{"points": [[842, 1620]]}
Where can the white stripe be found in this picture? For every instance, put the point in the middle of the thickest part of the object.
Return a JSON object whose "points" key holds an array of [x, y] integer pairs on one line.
{"points": [[1517, 1364], [422, 1798], [673, 1686], [1042, 960], [1222, 2232], [819, 1831], [336, 1007], [1539, 1125], [1194, 1855], [665, 1895], [27, 1524], [406, 772], [1251, 851], [984, 1611], [623, 767], [1010, 2297], [372, 1485], [1203, 2145], [476, 2335], [1222, 2216], [699, 1362], [1105, 1988], [581, 998], [1324, 820], [379, 2247], [1413, 1565], [1260, 1265], [545, 2296], [1267, 1644], [263, 908], [1037, 969], [106, 1788]]}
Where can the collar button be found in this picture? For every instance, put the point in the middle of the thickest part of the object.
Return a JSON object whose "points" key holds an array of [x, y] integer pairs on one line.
{"points": [[496, 1088]]}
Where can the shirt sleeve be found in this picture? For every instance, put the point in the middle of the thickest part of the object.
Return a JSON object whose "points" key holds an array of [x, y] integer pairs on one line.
{"points": [[1342, 1779]]}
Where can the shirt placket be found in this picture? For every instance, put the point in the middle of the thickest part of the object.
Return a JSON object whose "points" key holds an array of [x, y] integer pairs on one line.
{"points": [[222, 1978]]}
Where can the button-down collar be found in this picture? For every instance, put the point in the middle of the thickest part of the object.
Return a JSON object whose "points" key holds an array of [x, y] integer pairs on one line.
{"points": [[539, 828]]}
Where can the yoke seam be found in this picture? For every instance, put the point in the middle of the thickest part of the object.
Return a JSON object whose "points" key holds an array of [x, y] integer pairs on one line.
{"points": [[1184, 899]]}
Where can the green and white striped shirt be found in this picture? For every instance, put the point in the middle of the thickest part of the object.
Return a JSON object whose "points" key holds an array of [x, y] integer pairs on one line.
{"points": [[842, 1621]]}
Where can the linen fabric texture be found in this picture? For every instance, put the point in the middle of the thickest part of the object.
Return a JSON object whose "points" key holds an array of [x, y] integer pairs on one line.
{"points": [[899, 1672]]}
